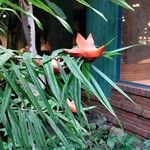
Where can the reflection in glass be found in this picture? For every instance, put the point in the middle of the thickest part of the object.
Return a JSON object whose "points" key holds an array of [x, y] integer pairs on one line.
{"points": [[135, 65]]}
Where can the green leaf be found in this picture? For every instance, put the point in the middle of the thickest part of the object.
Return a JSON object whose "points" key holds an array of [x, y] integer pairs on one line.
{"points": [[76, 90], [8, 129], [37, 129], [62, 72], [15, 128], [9, 9], [66, 88], [65, 24], [4, 50], [12, 81], [102, 96], [112, 139], [35, 80], [147, 144], [16, 7], [51, 79], [3, 31], [109, 54], [89, 6], [5, 57], [113, 84], [124, 48], [1, 144], [35, 137], [24, 129], [32, 98], [56, 9], [5, 101], [58, 132], [56, 52], [42, 6], [123, 3], [79, 75], [1, 1], [71, 133]]}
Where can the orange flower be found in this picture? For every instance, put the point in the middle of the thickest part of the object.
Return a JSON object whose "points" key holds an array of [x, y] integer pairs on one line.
{"points": [[72, 106], [53, 62], [85, 48]]}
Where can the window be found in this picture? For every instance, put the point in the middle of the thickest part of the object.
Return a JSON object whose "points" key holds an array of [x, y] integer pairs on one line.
{"points": [[135, 62]]}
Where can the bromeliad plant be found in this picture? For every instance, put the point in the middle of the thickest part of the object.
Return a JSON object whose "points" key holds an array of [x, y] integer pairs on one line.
{"points": [[49, 113]]}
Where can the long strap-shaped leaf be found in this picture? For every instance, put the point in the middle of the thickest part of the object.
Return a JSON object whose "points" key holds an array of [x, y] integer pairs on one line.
{"points": [[36, 83], [89, 6], [61, 97], [65, 92], [56, 9], [15, 127], [37, 129], [23, 129], [9, 131], [110, 54], [51, 79], [42, 6], [9, 9], [33, 100], [113, 84], [123, 3], [59, 133], [5, 100], [11, 80], [3, 31], [79, 75], [5, 57], [116, 51], [16, 7]]}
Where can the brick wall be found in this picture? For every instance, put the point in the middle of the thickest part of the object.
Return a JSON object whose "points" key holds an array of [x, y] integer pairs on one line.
{"points": [[134, 119]]}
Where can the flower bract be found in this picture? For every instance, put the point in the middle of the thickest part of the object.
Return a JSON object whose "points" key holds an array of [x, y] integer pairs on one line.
{"points": [[85, 48]]}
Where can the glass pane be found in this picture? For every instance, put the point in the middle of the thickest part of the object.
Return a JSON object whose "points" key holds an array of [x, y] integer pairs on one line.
{"points": [[135, 62]]}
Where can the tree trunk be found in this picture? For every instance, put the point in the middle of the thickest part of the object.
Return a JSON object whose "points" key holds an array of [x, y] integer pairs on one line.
{"points": [[28, 26], [30, 35]]}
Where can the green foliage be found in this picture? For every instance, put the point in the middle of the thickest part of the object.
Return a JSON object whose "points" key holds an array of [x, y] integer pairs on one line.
{"points": [[30, 115], [123, 3], [112, 53], [126, 142], [95, 10], [104, 138], [35, 116], [5, 55], [14, 7], [52, 9], [146, 144]]}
